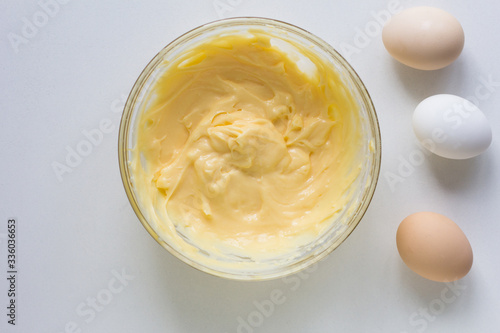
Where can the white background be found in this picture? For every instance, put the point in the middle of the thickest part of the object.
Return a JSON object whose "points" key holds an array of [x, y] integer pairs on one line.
{"points": [[77, 232]]}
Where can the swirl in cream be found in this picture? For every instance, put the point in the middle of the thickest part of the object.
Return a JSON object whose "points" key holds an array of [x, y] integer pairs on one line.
{"points": [[246, 150]]}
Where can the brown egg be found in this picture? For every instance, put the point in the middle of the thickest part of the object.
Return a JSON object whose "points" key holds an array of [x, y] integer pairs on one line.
{"points": [[434, 247], [425, 38]]}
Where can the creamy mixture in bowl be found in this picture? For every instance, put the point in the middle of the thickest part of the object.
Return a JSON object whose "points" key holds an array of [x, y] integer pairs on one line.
{"points": [[249, 148]]}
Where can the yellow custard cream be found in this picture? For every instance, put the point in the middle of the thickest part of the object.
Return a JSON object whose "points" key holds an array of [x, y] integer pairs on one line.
{"points": [[247, 149]]}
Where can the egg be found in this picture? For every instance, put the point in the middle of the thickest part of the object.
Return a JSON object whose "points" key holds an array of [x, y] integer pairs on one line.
{"points": [[434, 247], [424, 38], [451, 126]]}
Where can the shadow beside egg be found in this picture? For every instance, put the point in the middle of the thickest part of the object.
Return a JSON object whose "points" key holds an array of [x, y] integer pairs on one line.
{"points": [[437, 298], [422, 288], [421, 84], [458, 175]]}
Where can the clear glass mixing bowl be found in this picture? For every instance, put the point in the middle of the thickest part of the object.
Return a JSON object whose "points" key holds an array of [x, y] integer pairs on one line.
{"points": [[362, 189]]}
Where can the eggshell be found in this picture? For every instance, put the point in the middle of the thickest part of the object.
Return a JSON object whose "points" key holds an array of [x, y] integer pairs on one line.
{"points": [[451, 126], [434, 247], [424, 38]]}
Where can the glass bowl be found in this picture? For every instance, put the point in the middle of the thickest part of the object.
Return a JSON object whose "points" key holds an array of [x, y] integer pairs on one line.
{"points": [[361, 190]]}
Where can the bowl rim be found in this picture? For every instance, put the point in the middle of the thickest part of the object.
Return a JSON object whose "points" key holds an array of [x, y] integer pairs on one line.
{"points": [[374, 125]]}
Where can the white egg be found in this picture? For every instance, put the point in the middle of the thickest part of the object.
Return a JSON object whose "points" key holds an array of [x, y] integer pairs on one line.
{"points": [[451, 126]]}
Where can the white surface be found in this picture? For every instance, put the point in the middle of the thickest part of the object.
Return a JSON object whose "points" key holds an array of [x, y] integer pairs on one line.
{"points": [[75, 234]]}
